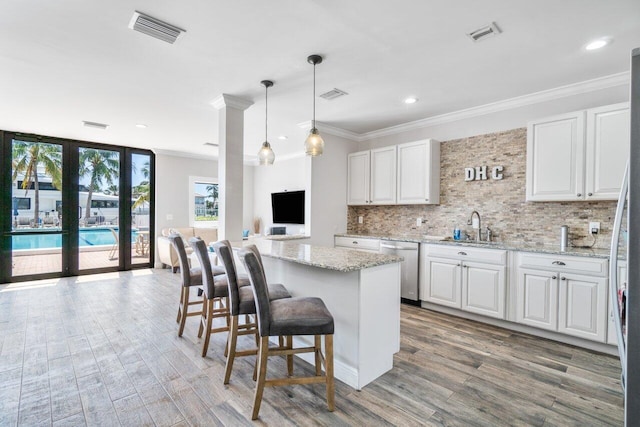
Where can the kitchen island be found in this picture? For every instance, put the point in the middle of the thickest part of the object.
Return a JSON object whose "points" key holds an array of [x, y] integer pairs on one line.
{"points": [[362, 292]]}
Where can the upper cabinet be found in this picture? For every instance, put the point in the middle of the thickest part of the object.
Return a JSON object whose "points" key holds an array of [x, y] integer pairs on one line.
{"points": [[419, 172], [399, 174], [578, 156]]}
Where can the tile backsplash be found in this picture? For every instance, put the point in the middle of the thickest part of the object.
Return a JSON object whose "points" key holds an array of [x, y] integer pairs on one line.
{"points": [[501, 203]]}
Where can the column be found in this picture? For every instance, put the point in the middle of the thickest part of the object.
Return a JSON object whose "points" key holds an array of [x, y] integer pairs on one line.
{"points": [[230, 164]]}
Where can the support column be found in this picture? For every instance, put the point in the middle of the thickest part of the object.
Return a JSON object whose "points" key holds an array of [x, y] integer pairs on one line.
{"points": [[230, 164]]}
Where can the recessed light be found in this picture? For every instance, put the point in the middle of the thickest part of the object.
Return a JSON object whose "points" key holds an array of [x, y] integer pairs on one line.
{"points": [[411, 100], [141, 126], [283, 137], [597, 44]]}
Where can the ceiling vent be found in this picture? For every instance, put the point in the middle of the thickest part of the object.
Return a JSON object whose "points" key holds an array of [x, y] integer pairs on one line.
{"points": [[333, 94], [154, 27], [94, 125], [484, 32]]}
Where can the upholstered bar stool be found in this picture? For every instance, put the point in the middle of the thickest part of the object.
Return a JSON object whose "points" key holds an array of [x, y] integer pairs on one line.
{"points": [[215, 302], [190, 277], [241, 302], [289, 317]]}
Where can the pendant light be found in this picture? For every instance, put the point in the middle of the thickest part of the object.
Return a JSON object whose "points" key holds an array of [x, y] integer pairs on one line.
{"points": [[266, 155], [314, 145]]}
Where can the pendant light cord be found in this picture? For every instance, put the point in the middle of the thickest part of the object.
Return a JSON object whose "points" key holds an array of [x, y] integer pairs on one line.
{"points": [[266, 111], [314, 97]]}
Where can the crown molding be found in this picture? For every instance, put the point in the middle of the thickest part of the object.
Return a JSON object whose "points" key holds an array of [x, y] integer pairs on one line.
{"points": [[332, 130], [573, 89], [231, 101]]}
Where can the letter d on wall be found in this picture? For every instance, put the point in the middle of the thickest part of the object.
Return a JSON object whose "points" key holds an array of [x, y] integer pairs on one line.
{"points": [[469, 174]]}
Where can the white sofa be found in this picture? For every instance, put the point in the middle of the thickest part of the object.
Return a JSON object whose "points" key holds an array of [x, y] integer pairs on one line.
{"points": [[167, 255]]}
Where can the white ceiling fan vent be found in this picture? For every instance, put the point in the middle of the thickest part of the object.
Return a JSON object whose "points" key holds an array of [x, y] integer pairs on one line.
{"points": [[154, 27], [484, 32], [95, 125], [333, 94]]}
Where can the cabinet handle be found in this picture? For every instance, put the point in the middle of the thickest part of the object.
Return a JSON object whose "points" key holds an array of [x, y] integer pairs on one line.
{"points": [[354, 242], [465, 266], [462, 253], [459, 265], [554, 277], [589, 194], [558, 263], [426, 200], [563, 278], [579, 194]]}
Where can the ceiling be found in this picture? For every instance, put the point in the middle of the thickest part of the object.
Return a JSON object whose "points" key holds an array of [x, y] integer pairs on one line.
{"points": [[66, 61]]}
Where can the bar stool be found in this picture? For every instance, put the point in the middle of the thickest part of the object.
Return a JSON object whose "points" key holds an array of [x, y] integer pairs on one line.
{"points": [[215, 301], [241, 302], [190, 277], [289, 317]]}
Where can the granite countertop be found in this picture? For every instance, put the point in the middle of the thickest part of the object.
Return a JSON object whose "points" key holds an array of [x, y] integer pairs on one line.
{"points": [[339, 259], [286, 237], [512, 246]]}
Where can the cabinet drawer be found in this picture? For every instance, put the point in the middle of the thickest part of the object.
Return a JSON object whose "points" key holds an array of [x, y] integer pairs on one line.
{"points": [[357, 243], [563, 263], [490, 256]]}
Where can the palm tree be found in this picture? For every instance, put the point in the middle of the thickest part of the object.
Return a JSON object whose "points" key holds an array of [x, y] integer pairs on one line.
{"points": [[142, 191], [100, 165], [113, 189], [27, 157], [212, 192]]}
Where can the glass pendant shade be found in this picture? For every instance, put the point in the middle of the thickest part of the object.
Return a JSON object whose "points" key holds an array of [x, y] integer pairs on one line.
{"points": [[266, 155], [314, 145]]}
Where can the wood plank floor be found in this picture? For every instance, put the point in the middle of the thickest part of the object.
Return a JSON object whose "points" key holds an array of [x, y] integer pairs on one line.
{"points": [[102, 350]]}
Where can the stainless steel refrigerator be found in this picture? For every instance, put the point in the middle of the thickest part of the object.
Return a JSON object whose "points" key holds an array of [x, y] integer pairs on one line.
{"points": [[626, 303]]}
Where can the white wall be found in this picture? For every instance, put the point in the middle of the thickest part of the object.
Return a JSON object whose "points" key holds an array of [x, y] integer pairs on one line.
{"points": [[285, 174], [247, 198]]}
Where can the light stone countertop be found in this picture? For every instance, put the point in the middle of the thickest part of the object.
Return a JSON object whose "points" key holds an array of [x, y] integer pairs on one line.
{"points": [[512, 246], [339, 259]]}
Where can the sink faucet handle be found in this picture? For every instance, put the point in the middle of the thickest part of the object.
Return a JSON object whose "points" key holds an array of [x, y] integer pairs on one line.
{"points": [[489, 233]]}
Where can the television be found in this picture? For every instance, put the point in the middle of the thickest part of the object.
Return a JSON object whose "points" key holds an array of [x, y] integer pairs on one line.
{"points": [[288, 207]]}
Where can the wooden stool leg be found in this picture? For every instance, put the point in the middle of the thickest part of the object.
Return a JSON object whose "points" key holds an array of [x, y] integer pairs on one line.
{"points": [[203, 317], [185, 307], [263, 354], [289, 356], [231, 348], [318, 349], [328, 360], [180, 305], [207, 332]]}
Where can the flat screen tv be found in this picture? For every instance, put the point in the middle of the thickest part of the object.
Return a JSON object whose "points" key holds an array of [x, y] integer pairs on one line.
{"points": [[288, 207]]}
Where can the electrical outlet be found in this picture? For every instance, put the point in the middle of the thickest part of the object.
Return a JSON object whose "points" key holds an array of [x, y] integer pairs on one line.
{"points": [[594, 227], [360, 219]]}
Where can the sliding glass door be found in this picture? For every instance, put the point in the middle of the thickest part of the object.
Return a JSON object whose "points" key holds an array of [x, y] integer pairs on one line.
{"points": [[70, 207]]}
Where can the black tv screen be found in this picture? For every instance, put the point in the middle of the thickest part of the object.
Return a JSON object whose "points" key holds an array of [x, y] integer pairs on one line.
{"points": [[288, 207]]}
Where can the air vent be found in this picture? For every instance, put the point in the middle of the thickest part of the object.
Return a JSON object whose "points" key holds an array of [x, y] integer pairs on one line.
{"points": [[333, 94], [484, 32], [94, 125], [154, 27]]}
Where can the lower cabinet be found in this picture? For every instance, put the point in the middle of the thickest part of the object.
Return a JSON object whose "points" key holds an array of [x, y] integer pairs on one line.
{"points": [[466, 279], [550, 296]]}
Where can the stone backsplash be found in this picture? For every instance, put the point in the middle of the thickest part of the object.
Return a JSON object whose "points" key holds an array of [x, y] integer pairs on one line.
{"points": [[501, 203]]}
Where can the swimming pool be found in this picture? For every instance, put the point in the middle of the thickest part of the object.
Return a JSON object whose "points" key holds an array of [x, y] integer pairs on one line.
{"points": [[88, 237]]}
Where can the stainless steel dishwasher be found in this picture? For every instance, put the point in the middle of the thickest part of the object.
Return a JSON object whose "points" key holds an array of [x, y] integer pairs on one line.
{"points": [[409, 267]]}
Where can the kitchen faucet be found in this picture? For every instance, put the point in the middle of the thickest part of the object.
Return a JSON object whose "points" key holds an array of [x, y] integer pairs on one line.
{"points": [[470, 222]]}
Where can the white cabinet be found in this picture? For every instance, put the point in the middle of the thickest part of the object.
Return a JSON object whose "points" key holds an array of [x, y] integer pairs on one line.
{"points": [[470, 279], [579, 155], [562, 293], [372, 177], [607, 150], [357, 243], [419, 172], [358, 176], [399, 174]]}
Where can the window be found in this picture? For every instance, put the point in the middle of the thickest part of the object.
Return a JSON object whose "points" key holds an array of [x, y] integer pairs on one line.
{"points": [[22, 203], [203, 196]]}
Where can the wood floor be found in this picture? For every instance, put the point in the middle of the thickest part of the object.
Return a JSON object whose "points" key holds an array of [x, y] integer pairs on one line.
{"points": [[102, 350]]}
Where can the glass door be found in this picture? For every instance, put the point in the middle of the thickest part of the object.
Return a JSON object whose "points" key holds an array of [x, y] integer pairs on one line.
{"points": [[141, 167], [36, 195]]}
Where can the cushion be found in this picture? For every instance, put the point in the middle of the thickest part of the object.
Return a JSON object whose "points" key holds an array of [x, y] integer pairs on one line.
{"points": [[196, 276], [300, 316], [247, 303]]}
